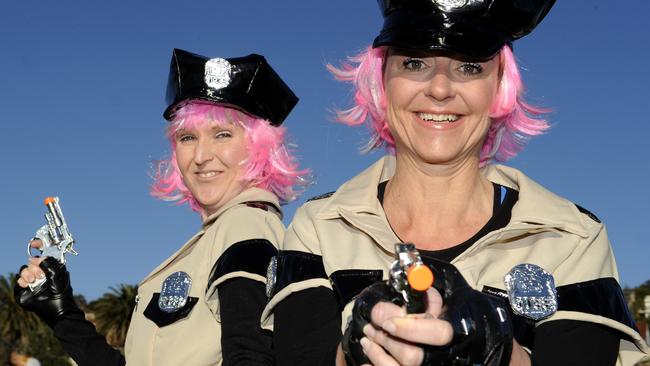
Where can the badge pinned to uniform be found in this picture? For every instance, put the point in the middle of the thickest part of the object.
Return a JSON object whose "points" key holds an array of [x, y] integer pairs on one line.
{"points": [[175, 291], [531, 291], [217, 73]]}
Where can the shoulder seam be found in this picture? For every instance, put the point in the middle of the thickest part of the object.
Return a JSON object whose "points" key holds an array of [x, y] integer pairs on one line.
{"points": [[587, 213], [321, 196]]}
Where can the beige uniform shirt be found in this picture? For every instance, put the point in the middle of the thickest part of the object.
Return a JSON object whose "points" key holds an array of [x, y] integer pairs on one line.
{"points": [[349, 230], [195, 338]]}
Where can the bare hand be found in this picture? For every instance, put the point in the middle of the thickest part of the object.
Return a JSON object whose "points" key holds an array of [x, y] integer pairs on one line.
{"points": [[393, 336], [33, 271]]}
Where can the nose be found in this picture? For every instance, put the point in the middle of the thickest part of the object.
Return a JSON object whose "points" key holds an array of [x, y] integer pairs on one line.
{"points": [[440, 86], [202, 151]]}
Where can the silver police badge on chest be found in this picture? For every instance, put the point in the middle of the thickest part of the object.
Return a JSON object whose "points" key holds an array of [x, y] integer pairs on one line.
{"points": [[174, 292], [531, 291], [217, 73]]}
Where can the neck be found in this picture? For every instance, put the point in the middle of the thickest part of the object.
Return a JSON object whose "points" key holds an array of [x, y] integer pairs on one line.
{"points": [[437, 206]]}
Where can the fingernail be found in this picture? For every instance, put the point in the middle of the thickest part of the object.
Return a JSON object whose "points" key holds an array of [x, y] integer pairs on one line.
{"points": [[365, 343], [41, 275], [389, 327], [369, 330]]}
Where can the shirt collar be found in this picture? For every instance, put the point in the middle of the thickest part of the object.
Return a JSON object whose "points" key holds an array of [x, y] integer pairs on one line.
{"points": [[536, 204]]}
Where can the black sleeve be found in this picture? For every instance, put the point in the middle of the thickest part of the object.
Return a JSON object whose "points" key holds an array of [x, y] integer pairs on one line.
{"points": [[307, 328], [243, 341], [81, 341], [572, 342]]}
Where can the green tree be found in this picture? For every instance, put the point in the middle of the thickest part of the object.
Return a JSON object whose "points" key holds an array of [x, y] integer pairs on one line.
{"points": [[638, 305], [15, 323], [20, 329], [112, 313]]}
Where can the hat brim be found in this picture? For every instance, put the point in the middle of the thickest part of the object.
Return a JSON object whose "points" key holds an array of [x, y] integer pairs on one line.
{"points": [[239, 102], [442, 32]]}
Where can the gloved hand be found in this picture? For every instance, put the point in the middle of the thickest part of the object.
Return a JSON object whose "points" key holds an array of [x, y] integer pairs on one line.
{"points": [[481, 323], [367, 299], [54, 298]]}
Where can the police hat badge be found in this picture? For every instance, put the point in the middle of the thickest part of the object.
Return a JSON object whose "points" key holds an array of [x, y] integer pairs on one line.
{"points": [[246, 83], [472, 28], [174, 292], [531, 291]]}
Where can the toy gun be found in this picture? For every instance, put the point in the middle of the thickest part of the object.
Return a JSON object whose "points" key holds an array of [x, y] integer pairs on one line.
{"points": [[55, 236], [410, 277]]}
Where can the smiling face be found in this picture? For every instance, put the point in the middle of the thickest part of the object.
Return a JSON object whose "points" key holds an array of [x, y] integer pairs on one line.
{"points": [[211, 159], [437, 106]]}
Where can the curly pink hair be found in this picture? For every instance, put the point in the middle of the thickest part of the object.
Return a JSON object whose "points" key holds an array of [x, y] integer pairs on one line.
{"points": [[514, 121], [271, 165]]}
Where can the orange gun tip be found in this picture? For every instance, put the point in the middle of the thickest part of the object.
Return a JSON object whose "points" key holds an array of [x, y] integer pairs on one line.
{"points": [[49, 200], [420, 277]]}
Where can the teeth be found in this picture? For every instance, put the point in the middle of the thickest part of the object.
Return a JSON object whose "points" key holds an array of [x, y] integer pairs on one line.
{"points": [[438, 117], [207, 174]]}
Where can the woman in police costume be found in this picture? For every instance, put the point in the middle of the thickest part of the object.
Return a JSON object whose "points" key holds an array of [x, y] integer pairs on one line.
{"points": [[521, 275], [229, 162]]}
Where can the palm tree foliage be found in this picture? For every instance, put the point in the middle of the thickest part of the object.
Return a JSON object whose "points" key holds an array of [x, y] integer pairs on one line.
{"points": [[112, 313], [20, 329], [15, 322]]}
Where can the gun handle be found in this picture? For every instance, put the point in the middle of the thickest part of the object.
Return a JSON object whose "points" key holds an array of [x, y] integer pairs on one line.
{"points": [[37, 285]]}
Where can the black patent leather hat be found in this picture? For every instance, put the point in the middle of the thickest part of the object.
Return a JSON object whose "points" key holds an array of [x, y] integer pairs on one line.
{"points": [[246, 83], [472, 28]]}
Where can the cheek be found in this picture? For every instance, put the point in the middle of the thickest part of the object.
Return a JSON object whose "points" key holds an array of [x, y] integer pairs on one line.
{"points": [[182, 158], [236, 156], [483, 97]]}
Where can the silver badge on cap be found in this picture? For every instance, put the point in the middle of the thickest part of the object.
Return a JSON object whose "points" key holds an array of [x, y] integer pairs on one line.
{"points": [[174, 292], [455, 5], [217, 73], [271, 276], [531, 291]]}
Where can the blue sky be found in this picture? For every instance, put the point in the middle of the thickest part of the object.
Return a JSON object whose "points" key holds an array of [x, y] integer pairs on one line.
{"points": [[82, 86]]}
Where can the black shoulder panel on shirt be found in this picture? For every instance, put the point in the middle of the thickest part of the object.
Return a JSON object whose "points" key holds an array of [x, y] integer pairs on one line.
{"points": [[162, 318], [251, 256], [602, 297], [349, 283], [295, 266], [321, 196], [587, 212]]}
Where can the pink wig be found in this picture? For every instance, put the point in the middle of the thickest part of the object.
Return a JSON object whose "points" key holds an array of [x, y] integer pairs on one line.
{"points": [[514, 121], [270, 165]]}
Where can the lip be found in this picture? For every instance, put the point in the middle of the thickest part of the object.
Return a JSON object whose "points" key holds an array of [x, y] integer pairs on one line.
{"points": [[439, 126], [206, 175]]}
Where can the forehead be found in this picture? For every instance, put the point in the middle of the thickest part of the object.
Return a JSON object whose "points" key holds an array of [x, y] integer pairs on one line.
{"points": [[210, 119]]}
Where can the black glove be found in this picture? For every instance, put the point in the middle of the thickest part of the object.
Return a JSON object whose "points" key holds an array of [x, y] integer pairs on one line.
{"points": [[54, 298], [481, 322], [367, 299]]}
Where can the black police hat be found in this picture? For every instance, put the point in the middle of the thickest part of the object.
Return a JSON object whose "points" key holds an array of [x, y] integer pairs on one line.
{"points": [[473, 28], [246, 83]]}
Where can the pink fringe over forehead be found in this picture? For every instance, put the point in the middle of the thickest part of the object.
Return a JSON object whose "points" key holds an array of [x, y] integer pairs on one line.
{"points": [[514, 121], [270, 166]]}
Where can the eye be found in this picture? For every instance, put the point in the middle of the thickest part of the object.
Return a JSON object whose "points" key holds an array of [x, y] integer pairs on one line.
{"points": [[184, 137], [223, 134], [470, 69], [413, 64]]}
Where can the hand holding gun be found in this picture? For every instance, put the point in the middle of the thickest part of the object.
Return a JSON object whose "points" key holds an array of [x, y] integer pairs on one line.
{"points": [[43, 286], [409, 279], [55, 238]]}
